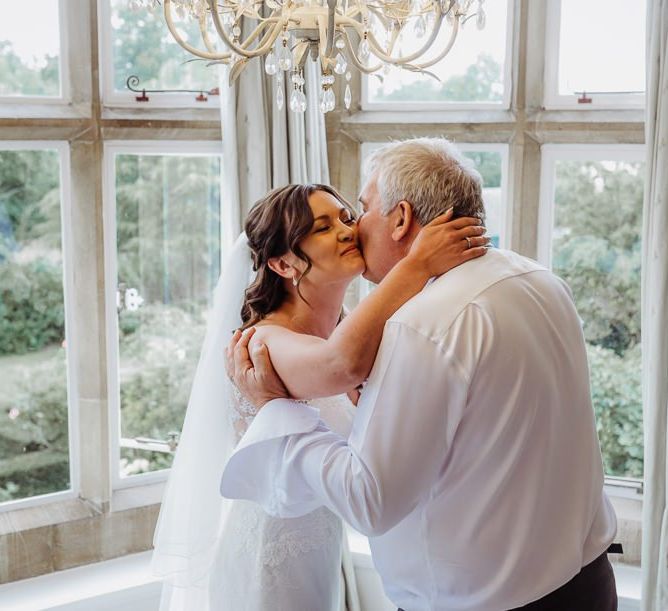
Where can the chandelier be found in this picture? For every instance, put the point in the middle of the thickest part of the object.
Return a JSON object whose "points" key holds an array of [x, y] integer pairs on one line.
{"points": [[367, 35]]}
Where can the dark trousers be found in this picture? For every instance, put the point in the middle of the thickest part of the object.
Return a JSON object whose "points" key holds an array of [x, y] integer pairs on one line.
{"points": [[592, 589]]}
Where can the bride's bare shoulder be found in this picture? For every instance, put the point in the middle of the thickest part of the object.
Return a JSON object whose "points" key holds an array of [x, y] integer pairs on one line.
{"points": [[267, 330]]}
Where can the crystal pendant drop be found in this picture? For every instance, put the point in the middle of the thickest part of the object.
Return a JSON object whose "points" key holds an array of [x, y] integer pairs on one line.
{"points": [[420, 27], [284, 58], [279, 96], [481, 19], [298, 101], [341, 64], [294, 100], [363, 50], [270, 65], [348, 97], [329, 99], [339, 44], [323, 104]]}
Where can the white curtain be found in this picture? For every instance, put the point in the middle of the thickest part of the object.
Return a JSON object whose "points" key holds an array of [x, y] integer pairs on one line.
{"points": [[655, 314], [266, 147]]}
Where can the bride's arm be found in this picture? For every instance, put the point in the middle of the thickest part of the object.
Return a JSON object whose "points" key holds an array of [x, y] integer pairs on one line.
{"points": [[314, 367]]}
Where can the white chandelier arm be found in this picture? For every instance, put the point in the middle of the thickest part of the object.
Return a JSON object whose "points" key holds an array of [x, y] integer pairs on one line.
{"points": [[377, 50], [258, 51], [174, 32], [445, 51], [205, 33], [353, 57], [331, 28], [299, 53], [256, 32], [322, 43]]}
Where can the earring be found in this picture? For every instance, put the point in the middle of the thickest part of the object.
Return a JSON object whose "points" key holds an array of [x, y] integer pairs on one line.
{"points": [[295, 281]]}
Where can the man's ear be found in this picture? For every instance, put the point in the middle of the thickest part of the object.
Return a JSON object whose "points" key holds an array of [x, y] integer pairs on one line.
{"points": [[281, 266], [402, 220]]}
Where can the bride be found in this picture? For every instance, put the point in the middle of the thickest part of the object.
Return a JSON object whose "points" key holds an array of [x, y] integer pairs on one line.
{"points": [[298, 256]]}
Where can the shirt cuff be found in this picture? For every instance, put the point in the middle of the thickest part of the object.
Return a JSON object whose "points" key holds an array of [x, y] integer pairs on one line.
{"points": [[246, 474], [279, 418]]}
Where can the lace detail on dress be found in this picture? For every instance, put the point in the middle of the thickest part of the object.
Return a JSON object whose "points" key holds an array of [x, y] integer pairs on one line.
{"points": [[273, 550], [276, 543], [242, 413]]}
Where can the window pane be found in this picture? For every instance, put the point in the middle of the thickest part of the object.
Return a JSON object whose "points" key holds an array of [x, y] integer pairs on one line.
{"points": [[597, 250], [489, 164], [168, 241], [143, 46], [30, 49], [34, 457], [473, 71], [602, 46]]}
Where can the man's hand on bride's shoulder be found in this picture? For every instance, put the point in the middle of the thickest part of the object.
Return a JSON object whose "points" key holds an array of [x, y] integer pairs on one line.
{"points": [[444, 243], [251, 371]]}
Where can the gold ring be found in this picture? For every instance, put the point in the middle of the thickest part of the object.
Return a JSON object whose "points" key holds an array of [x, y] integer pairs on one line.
{"points": [[468, 242]]}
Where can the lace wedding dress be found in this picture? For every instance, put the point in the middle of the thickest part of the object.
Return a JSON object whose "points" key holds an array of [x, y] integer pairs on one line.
{"points": [[274, 564]]}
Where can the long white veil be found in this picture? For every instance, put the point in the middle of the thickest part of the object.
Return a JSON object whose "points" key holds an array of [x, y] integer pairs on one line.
{"points": [[193, 512]]}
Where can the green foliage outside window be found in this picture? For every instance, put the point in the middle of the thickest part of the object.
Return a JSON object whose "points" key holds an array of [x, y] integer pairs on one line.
{"points": [[597, 250], [20, 78], [480, 82]]}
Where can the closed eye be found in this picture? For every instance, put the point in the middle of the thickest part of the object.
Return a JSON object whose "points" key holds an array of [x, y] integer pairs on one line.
{"points": [[321, 229]]}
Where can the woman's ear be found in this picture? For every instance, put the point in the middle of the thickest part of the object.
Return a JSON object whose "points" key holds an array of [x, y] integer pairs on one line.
{"points": [[402, 220], [281, 266]]}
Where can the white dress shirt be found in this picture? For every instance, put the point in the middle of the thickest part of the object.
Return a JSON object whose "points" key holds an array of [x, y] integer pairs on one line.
{"points": [[473, 464]]}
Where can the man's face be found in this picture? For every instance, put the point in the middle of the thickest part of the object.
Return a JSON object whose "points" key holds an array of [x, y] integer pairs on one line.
{"points": [[381, 252]]}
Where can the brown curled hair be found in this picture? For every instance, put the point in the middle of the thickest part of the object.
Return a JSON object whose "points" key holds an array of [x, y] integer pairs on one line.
{"points": [[276, 225]]}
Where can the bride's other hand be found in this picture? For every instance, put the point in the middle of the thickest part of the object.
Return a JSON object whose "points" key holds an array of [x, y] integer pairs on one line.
{"points": [[444, 244], [252, 372]]}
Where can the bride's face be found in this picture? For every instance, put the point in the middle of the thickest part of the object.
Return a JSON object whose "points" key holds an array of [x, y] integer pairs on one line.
{"points": [[332, 242]]}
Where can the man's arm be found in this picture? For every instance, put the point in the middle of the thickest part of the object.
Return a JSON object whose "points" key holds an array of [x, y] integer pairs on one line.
{"points": [[403, 427]]}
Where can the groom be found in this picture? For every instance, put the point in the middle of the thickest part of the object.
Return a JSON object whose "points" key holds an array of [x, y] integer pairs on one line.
{"points": [[473, 464]]}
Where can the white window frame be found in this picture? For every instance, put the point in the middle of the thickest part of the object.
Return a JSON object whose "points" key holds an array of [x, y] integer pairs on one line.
{"points": [[63, 151], [625, 487], [111, 97], [504, 104], [63, 69], [553, 100], [112, 148], [550, 154]]}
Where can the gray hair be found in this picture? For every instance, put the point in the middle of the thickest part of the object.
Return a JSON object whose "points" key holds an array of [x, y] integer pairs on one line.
{"points": [[429, 173]]}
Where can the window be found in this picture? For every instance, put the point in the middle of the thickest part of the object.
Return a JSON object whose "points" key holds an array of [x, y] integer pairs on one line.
{"points": [[30, 51], [36, 441], [168, 252], [123, 173], [137, 42], [475, 72], [595, 54], [491, 161], [591, 222]]}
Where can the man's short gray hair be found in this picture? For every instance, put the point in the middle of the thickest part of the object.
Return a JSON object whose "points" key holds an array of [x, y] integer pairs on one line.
{"points": [[429, 173]]}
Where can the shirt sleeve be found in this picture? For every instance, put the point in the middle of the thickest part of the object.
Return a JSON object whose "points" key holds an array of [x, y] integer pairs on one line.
{"points": [[403, 428]]}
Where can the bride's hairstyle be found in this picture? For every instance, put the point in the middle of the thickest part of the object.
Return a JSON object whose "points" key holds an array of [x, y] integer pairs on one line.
{"points": [[276, 225]]}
